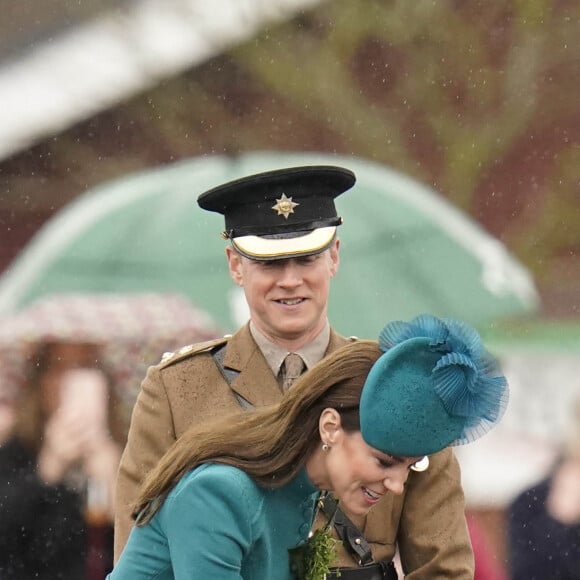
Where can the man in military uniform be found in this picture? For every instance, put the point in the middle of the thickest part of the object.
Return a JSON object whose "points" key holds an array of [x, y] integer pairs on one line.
{"points": [[283, 252]]}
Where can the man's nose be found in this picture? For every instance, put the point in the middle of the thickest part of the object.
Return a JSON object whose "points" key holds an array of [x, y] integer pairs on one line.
{"points": [[290, 274]]}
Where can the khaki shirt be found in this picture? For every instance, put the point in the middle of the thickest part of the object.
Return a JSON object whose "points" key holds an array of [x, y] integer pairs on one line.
{"points": [[427, 521]]}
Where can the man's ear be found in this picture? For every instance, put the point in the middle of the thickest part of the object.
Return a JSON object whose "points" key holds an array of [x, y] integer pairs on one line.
{"points": [[334, 257], [234, 265], [329, 426]]}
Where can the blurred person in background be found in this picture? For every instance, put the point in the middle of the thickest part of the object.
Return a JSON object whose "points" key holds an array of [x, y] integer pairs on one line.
{"points": [[544, 520], [58, 465]]}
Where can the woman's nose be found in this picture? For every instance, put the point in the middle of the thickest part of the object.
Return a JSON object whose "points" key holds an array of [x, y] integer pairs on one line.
{"points": [[395, 481]]}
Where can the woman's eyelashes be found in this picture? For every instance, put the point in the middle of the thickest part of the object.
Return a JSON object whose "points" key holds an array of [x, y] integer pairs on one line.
{"points": [[386, 463]]}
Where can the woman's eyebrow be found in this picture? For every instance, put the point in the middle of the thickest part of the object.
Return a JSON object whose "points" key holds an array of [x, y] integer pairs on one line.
{"points": [[397, 458], [392, 458]]}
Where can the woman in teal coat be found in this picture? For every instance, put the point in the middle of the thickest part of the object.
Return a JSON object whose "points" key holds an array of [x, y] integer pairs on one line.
{"points": [[235, 498]]}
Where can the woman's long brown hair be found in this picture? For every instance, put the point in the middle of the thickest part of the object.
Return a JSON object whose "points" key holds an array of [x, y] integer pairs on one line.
{"points": [[270, 444]]}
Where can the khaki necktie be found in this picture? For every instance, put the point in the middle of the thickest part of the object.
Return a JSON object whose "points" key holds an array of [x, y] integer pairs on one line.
{"points": [[293, 367]]}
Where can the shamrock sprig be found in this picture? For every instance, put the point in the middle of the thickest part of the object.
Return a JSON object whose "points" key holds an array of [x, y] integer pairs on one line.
{"points": [[312, 560]]}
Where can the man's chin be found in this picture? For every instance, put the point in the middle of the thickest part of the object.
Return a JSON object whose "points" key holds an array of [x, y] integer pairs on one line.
{"points": [[292, 328]]}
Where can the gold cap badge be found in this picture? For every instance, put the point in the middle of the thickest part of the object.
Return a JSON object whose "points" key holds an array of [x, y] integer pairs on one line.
{"points": [[284, 206]]}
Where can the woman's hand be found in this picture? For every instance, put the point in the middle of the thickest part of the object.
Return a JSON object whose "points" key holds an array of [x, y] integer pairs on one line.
{"points": [[66, 442], [564, 498], [77, 430]]}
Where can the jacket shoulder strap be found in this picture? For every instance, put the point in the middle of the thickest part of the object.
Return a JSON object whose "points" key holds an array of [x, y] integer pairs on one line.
{"points": [[352, 539], [184, 352]]}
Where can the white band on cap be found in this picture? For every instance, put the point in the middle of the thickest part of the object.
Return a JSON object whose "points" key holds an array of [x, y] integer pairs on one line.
{"points": [[261, 248]]}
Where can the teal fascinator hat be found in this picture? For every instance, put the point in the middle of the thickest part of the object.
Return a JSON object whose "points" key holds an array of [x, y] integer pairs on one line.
{"points": [[435, 386]]}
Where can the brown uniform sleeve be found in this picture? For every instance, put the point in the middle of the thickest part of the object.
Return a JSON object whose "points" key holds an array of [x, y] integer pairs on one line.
{"points": [[433, 538], [150, 435]]}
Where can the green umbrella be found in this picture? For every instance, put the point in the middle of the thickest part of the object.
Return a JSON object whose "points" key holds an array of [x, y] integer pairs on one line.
{"points": [[405, 250]]}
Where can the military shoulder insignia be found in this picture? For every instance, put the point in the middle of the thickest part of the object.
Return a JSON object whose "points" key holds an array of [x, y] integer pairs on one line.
{"points": [[184, 352], [285, 206]]}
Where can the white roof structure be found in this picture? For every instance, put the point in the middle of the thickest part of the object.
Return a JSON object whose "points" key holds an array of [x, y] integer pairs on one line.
{"points": [[89, 67]]}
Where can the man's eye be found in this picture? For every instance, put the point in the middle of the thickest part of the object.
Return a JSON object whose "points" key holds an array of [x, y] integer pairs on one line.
{"points": [[308, 260]]}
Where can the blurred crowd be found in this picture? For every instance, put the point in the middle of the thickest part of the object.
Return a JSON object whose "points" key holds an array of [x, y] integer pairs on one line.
{"points": [[70, 369]]}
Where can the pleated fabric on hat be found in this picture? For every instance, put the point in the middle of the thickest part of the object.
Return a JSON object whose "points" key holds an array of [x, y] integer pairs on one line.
{"points": [[435, 386]]}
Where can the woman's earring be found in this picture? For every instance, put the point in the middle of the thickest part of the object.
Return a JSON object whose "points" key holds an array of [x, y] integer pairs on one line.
{"points": [[325, 447], [421, 465]]}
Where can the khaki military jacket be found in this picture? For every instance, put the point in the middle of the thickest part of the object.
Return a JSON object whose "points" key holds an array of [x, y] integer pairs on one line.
{"points": [[427, 521]]}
